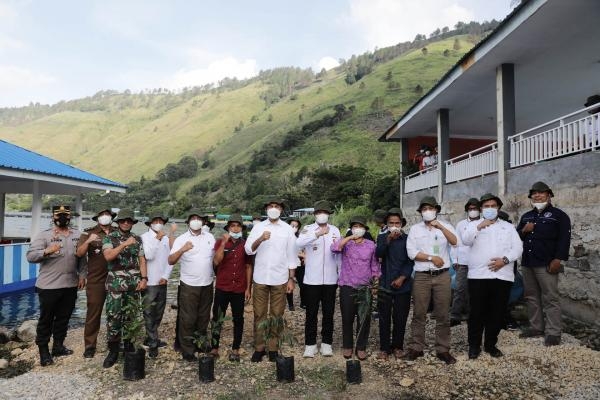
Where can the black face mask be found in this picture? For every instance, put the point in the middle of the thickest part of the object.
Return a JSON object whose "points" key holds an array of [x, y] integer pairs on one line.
{"points": [[62, 221]]}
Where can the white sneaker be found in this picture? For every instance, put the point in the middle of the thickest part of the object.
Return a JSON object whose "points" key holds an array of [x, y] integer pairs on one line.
{"points": [[310, 351], [326, 350]]}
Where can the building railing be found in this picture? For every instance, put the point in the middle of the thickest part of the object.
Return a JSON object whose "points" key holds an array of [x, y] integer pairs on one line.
{"points": [[16, 273], [478, 162], [424, 179], [569, 134]]}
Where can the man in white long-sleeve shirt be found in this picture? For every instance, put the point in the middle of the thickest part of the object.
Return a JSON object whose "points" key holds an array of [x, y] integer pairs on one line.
{"points": [[157, 246], [273, 243], [495, 245], [320, 278]]}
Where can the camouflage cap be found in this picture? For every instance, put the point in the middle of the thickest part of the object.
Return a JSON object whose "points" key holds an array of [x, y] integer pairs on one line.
{"points": [[126, 213], [540, 187]]}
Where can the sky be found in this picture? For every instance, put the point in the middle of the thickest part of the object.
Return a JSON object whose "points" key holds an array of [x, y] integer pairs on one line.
{"points": [[62, 50]]}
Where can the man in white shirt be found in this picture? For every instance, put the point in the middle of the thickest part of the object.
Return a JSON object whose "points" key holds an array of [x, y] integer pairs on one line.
{"points": [[427, 244], [495, 245], [273, 243], [156, 249], [459, 255], [320, 278], [194, 250]]}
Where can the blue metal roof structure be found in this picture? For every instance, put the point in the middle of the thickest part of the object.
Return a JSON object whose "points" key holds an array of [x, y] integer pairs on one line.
{"points": [[18, 158]]}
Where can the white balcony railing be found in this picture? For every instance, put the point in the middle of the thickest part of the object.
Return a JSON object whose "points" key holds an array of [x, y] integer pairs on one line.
{"points": [[572, 133], [479, 162], [424, 179]]}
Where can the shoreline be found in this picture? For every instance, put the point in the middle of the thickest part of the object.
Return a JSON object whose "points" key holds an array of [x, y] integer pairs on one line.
{"points": [[527, 371]]}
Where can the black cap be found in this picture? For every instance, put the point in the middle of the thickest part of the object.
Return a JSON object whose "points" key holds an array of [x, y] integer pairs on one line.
{"points": [[540, 187]]}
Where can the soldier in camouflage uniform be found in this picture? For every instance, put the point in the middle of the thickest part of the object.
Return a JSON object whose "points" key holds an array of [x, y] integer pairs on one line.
{"points": [[127, 275]]}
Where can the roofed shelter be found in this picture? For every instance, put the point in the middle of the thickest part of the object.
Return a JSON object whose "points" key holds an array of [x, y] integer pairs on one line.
{"points": [[524, 89], [26, 172]]}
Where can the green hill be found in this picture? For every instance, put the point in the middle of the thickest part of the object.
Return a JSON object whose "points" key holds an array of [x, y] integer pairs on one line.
{"points": [[225, 130]]}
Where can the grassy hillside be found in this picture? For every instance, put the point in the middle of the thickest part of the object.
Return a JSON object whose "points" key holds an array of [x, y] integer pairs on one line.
{"points": [[141, 133]]}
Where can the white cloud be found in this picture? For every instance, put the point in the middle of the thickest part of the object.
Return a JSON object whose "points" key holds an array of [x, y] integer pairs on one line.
{"points": [[14, 78], [386, 22], [212, 73], [327, 63]]}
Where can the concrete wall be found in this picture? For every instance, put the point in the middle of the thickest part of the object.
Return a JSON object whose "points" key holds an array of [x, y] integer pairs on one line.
{"points": [[575, 183]]}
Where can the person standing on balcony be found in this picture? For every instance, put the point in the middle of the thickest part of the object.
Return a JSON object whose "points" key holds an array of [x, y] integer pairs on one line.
{"points": [[57, 282], [495, 245], [459, 255], [427, 245], [430, 159], [320, 278], [90, 246], [546, 235]]}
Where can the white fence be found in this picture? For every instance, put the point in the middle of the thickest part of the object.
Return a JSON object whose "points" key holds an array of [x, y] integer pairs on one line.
{"points": [[479, 162], [424, 179], [572, 133]]}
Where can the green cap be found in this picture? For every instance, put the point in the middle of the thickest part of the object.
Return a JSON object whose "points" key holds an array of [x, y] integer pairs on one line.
{"points": [[195, 211], [234, 218], [357, 219], [101, 209], [156, 215], [489, 196], [540, 187], [275, 200], [471, 202], [323, 205], [429, 201], [126, 213], [398, 212]]}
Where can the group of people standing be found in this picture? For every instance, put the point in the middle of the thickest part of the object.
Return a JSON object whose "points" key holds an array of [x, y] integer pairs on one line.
{"points": [[112, 263]]}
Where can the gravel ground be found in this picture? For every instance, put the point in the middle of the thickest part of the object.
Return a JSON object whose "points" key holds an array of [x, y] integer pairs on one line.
{"points": [[527, 371]]}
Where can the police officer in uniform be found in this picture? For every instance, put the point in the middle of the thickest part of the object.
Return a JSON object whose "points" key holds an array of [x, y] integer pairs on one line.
{"points": [[546, 235], [90, 247], [57, 282], [127, 275]]}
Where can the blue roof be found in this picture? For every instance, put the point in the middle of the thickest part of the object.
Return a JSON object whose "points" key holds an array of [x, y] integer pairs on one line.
{"points": [[18, 158]]}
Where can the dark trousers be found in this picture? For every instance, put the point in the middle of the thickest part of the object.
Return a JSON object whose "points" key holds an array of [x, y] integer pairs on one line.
{"points": [[222, 301], [325, 296], [96, 296], [349, 310], [56, 307], [301, 288], [393, 309], [155, 300], [194, 314], [488, 299]]}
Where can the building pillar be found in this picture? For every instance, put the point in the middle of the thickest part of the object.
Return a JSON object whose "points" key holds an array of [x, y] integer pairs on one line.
{"points": [[2, 211], [443, 149], [36, 209], [79, 211], [403, 159], [505, 117]]}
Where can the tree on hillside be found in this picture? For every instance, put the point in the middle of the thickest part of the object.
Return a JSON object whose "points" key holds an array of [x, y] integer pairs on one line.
{"points": [[389, 76], [456, 45], [424, 51], [377, 106], [270, 118], [418, 89], [362, 85], [446, 53]]}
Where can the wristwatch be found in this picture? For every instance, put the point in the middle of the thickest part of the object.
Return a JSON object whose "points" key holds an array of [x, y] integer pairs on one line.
{"points": [[429, 258], [505, 260]]}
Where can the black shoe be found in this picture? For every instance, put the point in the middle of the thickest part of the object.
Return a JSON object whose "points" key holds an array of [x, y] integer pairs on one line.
{"points": [[474, 353], [446, 357], [234, 357], [189, 357], [162, 343], [454, 322], [273, 356], [258, 356], [291, 308], [45, 357], [551, 341], [153, 352], [90, 352], [59, 350], [303, 306], [531, 333], [512, 326], [113, 355], [494, 352]]}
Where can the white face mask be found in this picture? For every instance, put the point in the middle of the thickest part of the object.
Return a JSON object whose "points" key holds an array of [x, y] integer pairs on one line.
{"points": [[104, 219], [473, 214], [490, 213], [394, 229], [540, 206], [429, 215], [195, 224], [321, 218], [236, 235], [273, 213], [359, 232], [157, 227]]}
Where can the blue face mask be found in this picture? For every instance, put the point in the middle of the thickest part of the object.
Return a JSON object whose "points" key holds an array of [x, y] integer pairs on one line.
{"points": [[235, 235], [490, 213]]}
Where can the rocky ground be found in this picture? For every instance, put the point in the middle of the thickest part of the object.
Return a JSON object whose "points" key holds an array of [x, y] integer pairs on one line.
{"points": [[527, 371]]}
